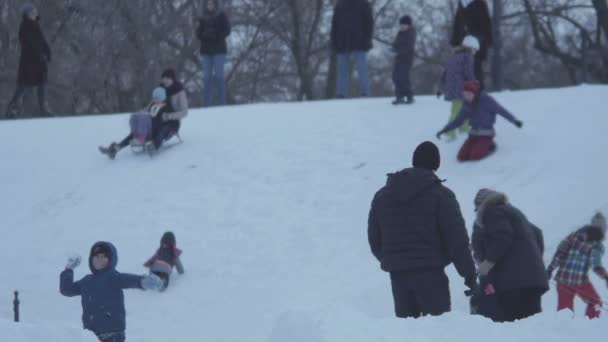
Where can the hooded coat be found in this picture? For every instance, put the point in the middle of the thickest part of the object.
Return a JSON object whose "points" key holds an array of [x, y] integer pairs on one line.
{"points": [[512, 243], [101, 292]]}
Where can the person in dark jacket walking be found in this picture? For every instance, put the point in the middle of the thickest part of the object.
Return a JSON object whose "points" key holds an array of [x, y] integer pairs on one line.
{"points": [[213, 29], [415, 230], [101, 292], [579, 253], [166, 257], [404, 46], [512, 252], [473, 18], [480, 109], [352, 29], [33, 62]]}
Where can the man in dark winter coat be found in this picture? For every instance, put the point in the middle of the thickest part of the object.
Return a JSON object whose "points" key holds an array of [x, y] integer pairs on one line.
{"points": [[101, 292], [404, 46], [213, 29], [415, 230], [473, 18], [352, 30], [512, 251], [35, 55]]}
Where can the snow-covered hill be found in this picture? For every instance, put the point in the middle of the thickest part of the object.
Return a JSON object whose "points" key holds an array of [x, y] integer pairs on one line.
{"points": [[269, 203]]}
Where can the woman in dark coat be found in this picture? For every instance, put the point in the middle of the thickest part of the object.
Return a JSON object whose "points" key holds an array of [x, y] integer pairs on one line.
{"points": [[213, 29], [473, 18], [35, 55], [512, 251]]}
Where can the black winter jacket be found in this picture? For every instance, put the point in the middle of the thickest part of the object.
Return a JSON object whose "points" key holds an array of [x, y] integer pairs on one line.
{"points": [[212, 32], [352, 26], [415, 223]]}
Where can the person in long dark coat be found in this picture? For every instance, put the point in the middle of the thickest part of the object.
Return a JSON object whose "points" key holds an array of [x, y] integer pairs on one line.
{"points": [[415, 230], [33, 62], [511, 249], [473, 18]]}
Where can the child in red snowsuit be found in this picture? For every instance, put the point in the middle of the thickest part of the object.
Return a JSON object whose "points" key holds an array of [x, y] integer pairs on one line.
{"points": [[578, 253], [166, 257]]}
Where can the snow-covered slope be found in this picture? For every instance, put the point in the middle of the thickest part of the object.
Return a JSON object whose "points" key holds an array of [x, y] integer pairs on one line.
{"points": [[269, 203]]}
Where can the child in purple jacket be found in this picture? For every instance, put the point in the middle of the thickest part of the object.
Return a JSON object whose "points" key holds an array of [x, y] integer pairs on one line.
{"points": [[458, 69], [480, 109]]}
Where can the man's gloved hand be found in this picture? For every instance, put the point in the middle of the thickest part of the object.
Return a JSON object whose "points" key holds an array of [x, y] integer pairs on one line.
{"points": [[473, 287]]}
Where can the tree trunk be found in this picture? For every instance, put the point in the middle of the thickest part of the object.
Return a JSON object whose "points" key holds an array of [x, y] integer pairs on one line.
{"points": [[497, 62]]}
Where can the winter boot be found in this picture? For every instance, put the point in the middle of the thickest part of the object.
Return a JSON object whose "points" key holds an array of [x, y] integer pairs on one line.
{"points": [[110, 151], [45, 111], [12, 111], [410, 100], [398, 101], [150, 148]]}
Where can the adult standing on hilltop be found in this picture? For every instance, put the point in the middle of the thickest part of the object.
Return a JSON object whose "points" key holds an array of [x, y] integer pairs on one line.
{"points": [[352, 29], [473, 18], [415, 230], [33, 62], [213, 29]]}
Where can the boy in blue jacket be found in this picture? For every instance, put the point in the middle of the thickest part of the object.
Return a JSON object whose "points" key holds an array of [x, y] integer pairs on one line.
{"points": [[103, 305]]}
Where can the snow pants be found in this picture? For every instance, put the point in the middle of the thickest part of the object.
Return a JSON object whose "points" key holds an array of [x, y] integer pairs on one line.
{"points": [[112, 337], [420, 293], [586, 292], [456, 107], [476, 147], [402, 80], [520, 303]]}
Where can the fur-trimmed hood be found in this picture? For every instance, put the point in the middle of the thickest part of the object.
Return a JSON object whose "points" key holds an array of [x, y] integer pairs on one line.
{"points": [[492, 199]]}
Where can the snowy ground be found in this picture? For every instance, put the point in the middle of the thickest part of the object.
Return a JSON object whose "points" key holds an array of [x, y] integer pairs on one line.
{"points": [[270, 204]]}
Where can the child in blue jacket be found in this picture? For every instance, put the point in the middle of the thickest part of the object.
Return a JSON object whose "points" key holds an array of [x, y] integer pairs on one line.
{"points": [[103, 305]]}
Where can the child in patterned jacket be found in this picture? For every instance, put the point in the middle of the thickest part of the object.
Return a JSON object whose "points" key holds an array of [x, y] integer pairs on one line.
{"points": [[165, 258], [578, 253]]}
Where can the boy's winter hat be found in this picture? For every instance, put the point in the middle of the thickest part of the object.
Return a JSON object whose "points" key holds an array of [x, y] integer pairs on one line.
{"points": [[481, 196], [101, 249], [472, 86], [406, 20], [471, 42], [168, 238], [427, 156], [27, 8], [169, 73], [599, 221], [159, 94]]}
